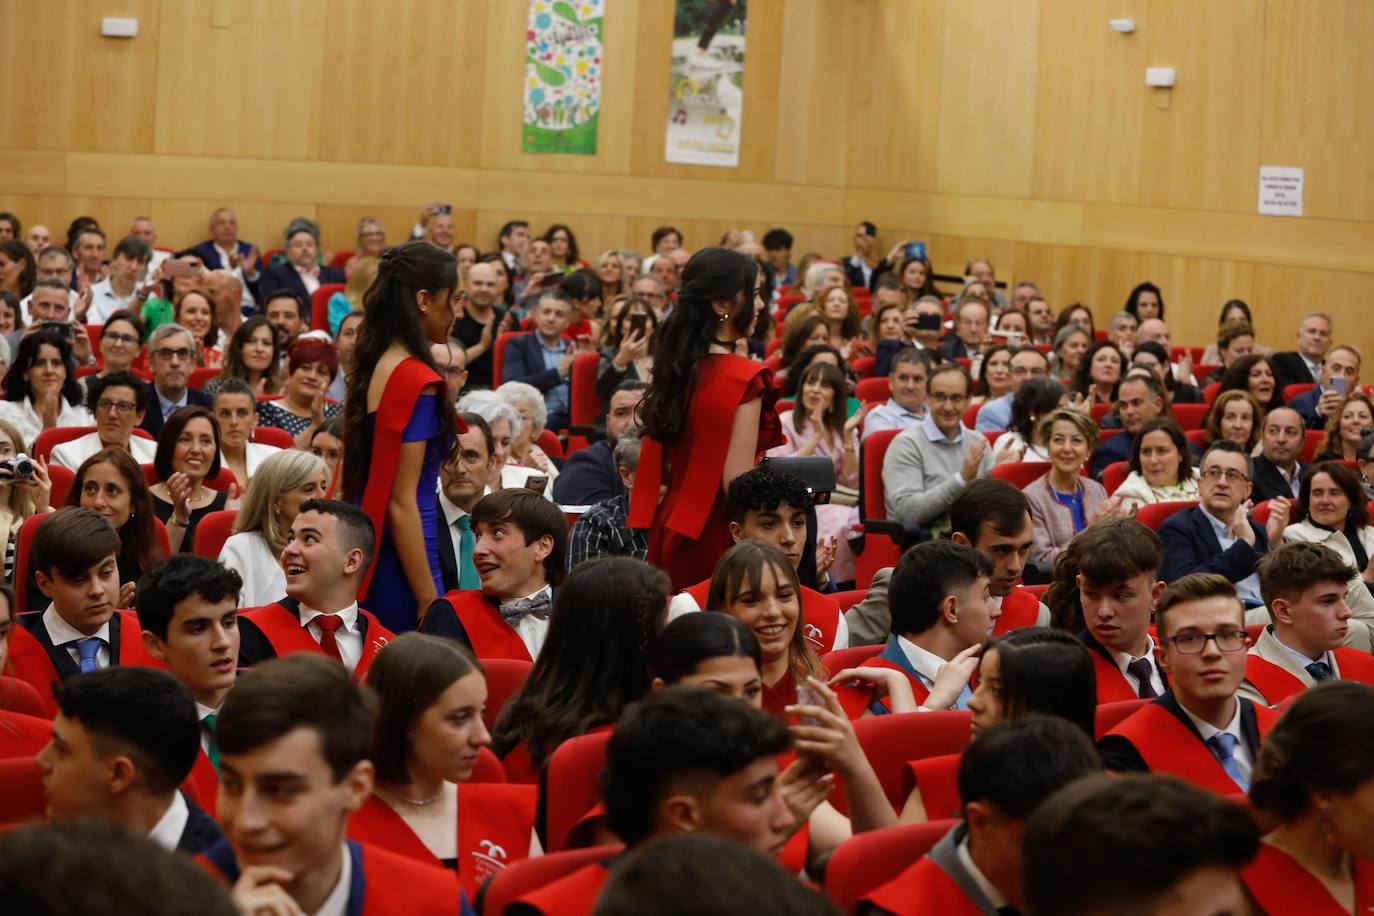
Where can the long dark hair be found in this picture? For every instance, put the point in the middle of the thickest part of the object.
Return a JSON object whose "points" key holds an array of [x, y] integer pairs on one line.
{"points": [[928, 288], [17, 387], [1171, 429], [802, 361], [595, 659], [833, 419], [1324, 742], [1133, 300], [794, 341], [741, 569], [684, 644], [1238, 377], [1348, 481], [712, 275], [1083, 378], [16, 250], [390, 316], [573, 255], [139, 544], [1046, 671], [234, 367]]}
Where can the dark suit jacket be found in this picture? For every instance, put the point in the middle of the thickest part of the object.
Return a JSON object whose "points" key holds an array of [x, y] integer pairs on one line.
{"points": [[61, 658], [1121, 756], [1290, 369], [201, 831], [284, 276], [523, 361], [448, 559], [588, 477], [856, 275], [1191, 546], [207, 253], [152, 420], [254, 646], [442, 620], [1306, 405], [1269, 481], [953, 349], [1117, 448]]}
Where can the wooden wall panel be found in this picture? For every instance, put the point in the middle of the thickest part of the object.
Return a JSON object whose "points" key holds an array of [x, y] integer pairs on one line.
{"points": [[1318, 95], [1202, 153], [816, 81], [1087, 131], [68, 88], [56, 211], [987, 97], [251, 89], [383, 102]]}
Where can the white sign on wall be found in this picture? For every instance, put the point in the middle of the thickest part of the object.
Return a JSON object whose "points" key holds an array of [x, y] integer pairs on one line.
{"points": [[1280, 190]]}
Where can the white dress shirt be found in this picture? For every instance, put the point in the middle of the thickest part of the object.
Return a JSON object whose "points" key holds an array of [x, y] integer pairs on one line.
{"points": [[71, 454], [30, 424], [531, 629], [169, 828], [452, 513], [264, 581], [349, 636], [105, 302], [336, 904], [989, 889], [1241, 753], [890, 415], [1123, 659], [201, 713], [65, 635]]}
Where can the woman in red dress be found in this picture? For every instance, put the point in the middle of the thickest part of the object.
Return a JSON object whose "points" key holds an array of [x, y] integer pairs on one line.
{"points": [[1315, 779], [707, 418]]}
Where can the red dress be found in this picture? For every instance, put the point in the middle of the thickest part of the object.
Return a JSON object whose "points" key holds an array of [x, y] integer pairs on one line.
{"points": [[1280, 885], [688, 530]]}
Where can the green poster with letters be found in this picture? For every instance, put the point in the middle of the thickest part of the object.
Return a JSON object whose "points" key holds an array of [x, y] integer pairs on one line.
{"points": [[563, 65]]}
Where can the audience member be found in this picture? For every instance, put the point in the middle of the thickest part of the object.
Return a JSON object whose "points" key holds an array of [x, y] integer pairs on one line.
{"points": [[1027, 363], [252, 356], [519, 548], [301, 273], [1218, 535], [116, 291], [1139, 400], [970, 330], [1304, 365], [1340, 376], [1099, 374], [980, 270], [480, 323], [1255, 374], [906, 406], [310, 367], [41, 390], [1186, 848], [1161, 466], [20, 497], [1352, 419], [525, 459], [236, 413], [449, 358], [591, 474], [118, 402], [993, 371], [544, 358], [603, 530], [926, 466], [463, 480], [223, 249], [1236, 417], [361, 275], [1023, 440], [284, 482], [993, 517], [628, 355], [1235, 341], [113, 484], [1277, 468], [171, 356], [328, 550], [1071, 343], [187, 455], [1063, 502], [501, 418]]}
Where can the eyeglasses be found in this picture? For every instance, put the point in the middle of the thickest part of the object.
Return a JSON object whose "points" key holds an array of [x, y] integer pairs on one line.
{"points": [[948, 398], [119, 338], [1192, 643], [1215, 473], [123, 408], [167, 353]]}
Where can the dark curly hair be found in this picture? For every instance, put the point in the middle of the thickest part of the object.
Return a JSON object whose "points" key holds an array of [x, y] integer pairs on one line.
{"points": [[764, 488], [17, 387]]}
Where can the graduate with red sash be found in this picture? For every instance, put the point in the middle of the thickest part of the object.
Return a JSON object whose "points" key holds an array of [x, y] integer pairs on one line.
{"points": [[993, 516], [21, 735], [703, 398], [824, 629], [35, 660]]}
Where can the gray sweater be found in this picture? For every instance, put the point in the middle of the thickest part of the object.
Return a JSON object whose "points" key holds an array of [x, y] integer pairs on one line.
{"points": [[920, 477]]}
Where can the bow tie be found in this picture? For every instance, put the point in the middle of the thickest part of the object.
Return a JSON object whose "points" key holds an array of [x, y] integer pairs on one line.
{"points": [[536, 605]]}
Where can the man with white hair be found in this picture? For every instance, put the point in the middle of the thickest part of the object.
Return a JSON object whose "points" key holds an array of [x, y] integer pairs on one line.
{"points": [[224, 249], [171, 356]]}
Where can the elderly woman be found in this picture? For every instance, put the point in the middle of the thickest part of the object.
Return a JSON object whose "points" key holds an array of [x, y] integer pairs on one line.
{"points": [[525, 453], [503, 420], [1331, 504], [1063, 502], [1161, 467], [310, 366]]}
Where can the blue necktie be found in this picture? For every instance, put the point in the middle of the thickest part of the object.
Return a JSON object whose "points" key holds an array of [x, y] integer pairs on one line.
{"points": [[1223, 747], [87, 649], [964, 695], [467, 571], [1320, 671]]}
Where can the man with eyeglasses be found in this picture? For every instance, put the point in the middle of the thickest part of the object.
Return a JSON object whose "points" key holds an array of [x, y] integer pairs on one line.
{"points": [[1199, 730], [1026, 363], [171, 356], [118, 402], [651, 290], [1217, 535], [927, 465]]}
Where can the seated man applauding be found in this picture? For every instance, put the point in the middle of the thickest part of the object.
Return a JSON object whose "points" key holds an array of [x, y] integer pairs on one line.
{"points": [[327, 554], [521, 539]]}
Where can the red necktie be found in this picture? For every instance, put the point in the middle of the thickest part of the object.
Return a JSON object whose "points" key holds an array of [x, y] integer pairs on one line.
{"points": [[328, 623]]}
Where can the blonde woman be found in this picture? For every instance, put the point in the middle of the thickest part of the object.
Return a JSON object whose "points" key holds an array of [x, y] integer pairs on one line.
{"points": [[18, 499], [351, 299], [282, 483]]}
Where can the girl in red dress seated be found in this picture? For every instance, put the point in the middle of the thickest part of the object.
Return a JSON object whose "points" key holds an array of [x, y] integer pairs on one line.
{"points": [[1315, 779], [708, 415], [428, 737]]}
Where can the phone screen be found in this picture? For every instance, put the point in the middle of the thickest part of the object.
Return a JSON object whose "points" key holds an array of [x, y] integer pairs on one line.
{"points": [[1338, 385]]}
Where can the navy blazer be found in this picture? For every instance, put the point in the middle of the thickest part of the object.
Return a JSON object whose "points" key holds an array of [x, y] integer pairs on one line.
{"points": [[152, 419], [284, 276], [523, 361], [1117, 448], [59, 656], [1191, 546], [210, 256], [1269, 482], [200, 833], [953, 348], [588, 477], [1306, 405], [1120, 756]]}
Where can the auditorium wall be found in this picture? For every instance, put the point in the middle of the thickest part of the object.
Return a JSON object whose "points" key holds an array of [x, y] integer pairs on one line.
{"points": [[1020, 130]]}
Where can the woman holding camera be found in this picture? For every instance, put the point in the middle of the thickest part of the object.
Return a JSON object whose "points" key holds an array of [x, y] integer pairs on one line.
{"points": [[24, 491]]}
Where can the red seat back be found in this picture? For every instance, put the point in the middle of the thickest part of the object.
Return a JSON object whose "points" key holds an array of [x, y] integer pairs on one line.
{"points": [[1098, 411], [864, 863], [890, 741], [848, 599], [574, 770], [505, 677], [272, 435], [269, 255], [873, 390], [548, 441], [521, 877], [319, 305], [22, 548], [498, 355], [839, 659], [62, 480], [584, 407], [1021, 474], [1209, 394], [773, 363], [1292, 391], [971, 415], [863, 366], [43, 445], [202, 375], [21, 790], [1109, 715], [874, 450], [1311, 443], [1190, 416], [1198, 437], [340, 259], [1114, 475], [214, 529], [21, 697], [1260, 513], [1154, 515]]}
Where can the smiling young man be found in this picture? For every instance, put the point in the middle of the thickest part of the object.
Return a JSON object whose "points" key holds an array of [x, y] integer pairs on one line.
{"points": [[765, 504], [118, 402], [1118, 582], [1304, 588], [188, 606], [942, 612], [328, 551], [122, 741], [520, 542], [117, 290], [1199, 729], [75, 553], [294, 738], [682, 760]]}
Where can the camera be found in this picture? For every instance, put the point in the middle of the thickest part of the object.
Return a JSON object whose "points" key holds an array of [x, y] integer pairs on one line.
{"points": [[21, 467]]}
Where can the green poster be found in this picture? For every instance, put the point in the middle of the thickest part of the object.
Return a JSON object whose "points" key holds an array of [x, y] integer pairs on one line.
{"points": [[563, 62]]}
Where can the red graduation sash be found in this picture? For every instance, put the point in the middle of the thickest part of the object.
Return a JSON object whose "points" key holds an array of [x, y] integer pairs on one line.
{"points": [[571, 895], [21, 735], [938, 780], [284, 631], [923, 889], [1277, 683], [30, 662], [488, 632], [920, 690], [394, 410], [820, 618], [1280, 885], [204, 783], [1168, 746], [1111, 683], [1020, 608]]}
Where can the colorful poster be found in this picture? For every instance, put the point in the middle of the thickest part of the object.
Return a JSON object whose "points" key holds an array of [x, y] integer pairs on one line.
{"points": [[563, 61], [706, 83]]}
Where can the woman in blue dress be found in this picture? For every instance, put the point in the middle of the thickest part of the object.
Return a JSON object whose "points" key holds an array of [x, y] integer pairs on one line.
{"points": [[398, 427]]}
